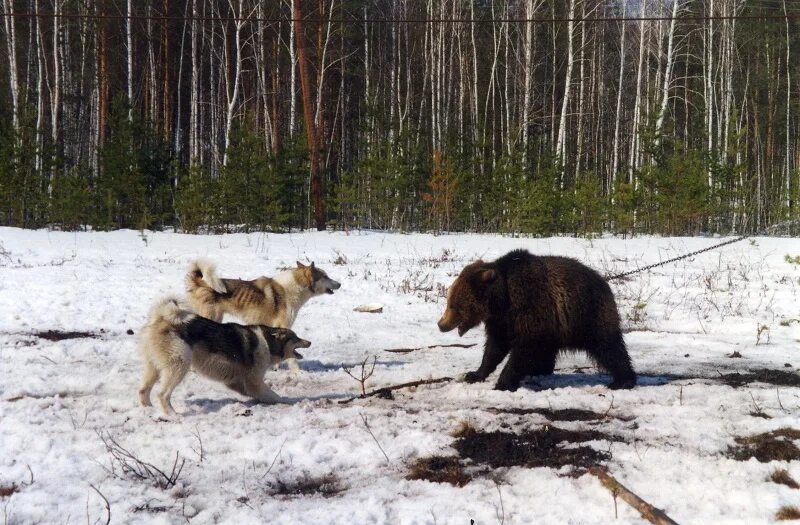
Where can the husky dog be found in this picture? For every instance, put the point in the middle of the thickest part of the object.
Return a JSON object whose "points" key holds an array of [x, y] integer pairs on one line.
{"points": [[268, 301], [175, 339]]}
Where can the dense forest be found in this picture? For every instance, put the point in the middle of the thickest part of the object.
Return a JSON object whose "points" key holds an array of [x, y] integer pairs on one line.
{"points": [[526, 116]]}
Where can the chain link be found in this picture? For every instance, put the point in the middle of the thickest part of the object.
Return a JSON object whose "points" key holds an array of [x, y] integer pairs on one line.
{"points": [[674, 259]]}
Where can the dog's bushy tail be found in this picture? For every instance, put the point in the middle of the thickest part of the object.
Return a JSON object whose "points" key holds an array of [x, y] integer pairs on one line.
{"points": [[203, 274], [172, 311]]}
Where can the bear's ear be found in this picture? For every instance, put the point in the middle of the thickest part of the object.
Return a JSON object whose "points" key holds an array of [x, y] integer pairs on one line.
{"points": [[488, 276]]}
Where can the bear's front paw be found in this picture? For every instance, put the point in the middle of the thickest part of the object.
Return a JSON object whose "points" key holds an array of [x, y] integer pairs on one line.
{"points": [[472, 377]]}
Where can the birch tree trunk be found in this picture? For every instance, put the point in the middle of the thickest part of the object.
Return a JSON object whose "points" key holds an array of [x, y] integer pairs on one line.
{"points": [[40, 84], [635, 143], [194, 96], [233, 94], [787, 153], [562, 123], [11, 47], [293, 72], [662, 109], [129, 35], [615, 148], [55, 92]]}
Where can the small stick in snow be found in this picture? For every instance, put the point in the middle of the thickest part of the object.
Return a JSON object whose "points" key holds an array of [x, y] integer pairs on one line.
{"points": [[407, 350], [366, 424], [648, 512], [108, 505], [387, 389]]}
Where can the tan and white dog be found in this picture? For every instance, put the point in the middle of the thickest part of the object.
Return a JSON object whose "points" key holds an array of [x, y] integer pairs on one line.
{"points": [[175, 340], [269, 301]]}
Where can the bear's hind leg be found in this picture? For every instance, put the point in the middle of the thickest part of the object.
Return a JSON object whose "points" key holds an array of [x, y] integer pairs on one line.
{"points": [[612, 356], [543, 362]]}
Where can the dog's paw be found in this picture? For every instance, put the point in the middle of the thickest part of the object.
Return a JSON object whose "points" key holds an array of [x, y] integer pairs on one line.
{"points": [[471, 377]]}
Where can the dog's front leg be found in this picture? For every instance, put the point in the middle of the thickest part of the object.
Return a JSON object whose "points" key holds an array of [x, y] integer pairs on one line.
{"points": [[257, 389], [293, 365]]}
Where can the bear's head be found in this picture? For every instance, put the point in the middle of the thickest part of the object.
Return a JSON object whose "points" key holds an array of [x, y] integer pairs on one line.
{"points": [[469, 297]]}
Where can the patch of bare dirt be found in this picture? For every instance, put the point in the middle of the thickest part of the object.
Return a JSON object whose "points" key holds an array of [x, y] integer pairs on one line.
{"points": [[782, 477], [8, 490], [439, 469], [787, 513], [777, 445], [568, 414], [764, 375], [58, 335], [547, 446]]}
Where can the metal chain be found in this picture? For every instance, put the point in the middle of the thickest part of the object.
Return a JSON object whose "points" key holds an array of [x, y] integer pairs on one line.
{"points": [[674, 259]]}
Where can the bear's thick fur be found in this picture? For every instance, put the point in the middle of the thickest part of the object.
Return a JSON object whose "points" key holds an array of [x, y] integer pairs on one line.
{"points": [[533, 307]]}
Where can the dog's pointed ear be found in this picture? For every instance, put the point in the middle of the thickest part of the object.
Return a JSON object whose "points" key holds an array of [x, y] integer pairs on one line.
{"points": [[312, 265], [300, 265], [489, 275]]}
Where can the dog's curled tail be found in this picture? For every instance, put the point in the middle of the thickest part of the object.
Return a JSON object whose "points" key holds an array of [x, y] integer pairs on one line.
{"points": [[203, 274], [172, 311]]}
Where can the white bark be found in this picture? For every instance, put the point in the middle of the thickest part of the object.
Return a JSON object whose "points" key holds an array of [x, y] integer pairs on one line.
{"points": [[233, 94], [11, 48], [708, 84], [194, 100], [633, 161], [530, 9], [293, 75], [615, 147], [40, 84], [787, 154], [55, 92], [562, 123], [129, 28], [662, 109], [581, 91]]}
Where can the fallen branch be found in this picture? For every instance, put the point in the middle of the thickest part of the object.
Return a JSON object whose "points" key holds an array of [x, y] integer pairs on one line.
{"points": [[648, 512], [407, 350], [386, 391]]}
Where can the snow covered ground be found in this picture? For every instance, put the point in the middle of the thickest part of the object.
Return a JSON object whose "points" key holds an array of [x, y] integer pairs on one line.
{"points": [[315, 461]]}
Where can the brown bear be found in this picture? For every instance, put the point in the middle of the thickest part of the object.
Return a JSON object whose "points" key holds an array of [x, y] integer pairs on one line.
{"points": [[533, 307]]}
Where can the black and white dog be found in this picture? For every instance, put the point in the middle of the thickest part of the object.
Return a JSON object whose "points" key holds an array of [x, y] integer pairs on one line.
{"points": [[175, 340]]}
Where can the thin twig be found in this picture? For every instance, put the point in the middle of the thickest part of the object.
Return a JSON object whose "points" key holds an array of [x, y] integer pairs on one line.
{"points": [[385, 390], [108, 505], [200, 453], [28, 484], [130, 464], [366, 424], [778, 393], [502, 514], [274, 459]]}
